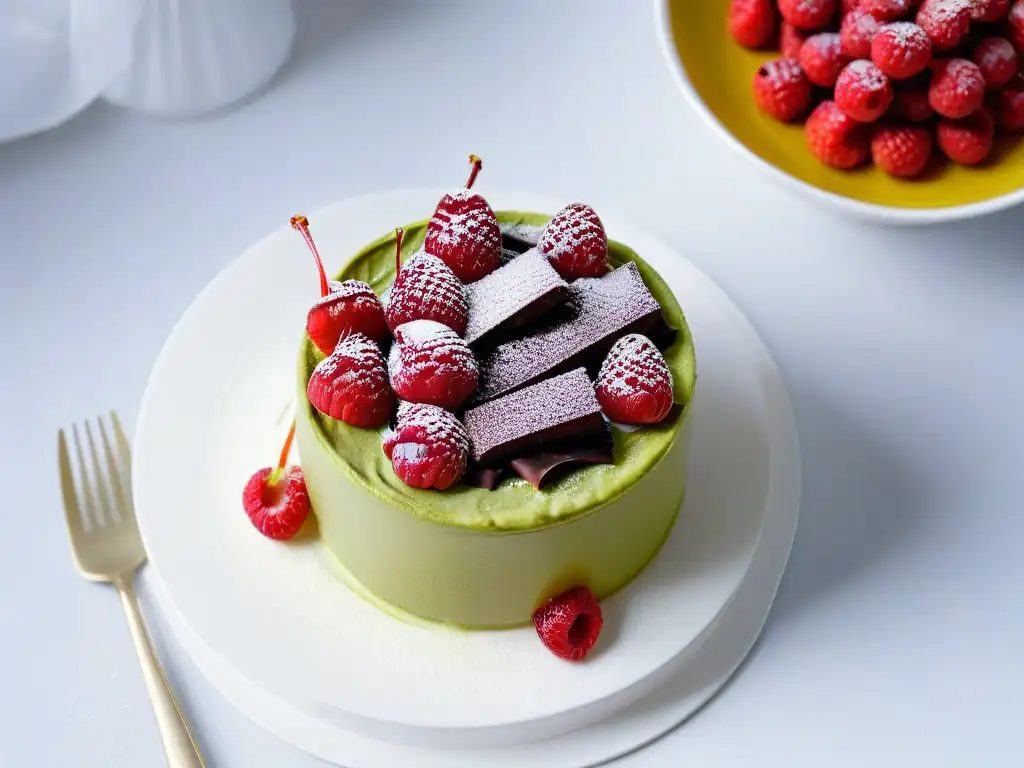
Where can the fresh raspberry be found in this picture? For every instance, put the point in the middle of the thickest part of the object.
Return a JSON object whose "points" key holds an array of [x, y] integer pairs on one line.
{"points": [[998, 61], [570, 623], [947, 22], [886, 10], [464, 232], [989, 10], [349, 307], [277, 509], [430, 363], [751, 22], [429, 447], [911, 104], [856, 33], [634, 385], [1015, 26], [808, 14], [863, 91], [781, 89], [426, 289], [791, 40], [1008, 105], [967, 141], [849, 5], [901, 49], [957, 89], [575, 242], [821, 58], [835, 139], [351, 384], [901, 151]]}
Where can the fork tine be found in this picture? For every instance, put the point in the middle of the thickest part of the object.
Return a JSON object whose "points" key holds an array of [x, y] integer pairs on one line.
{"points": [[102, 488], [120, 509], [90, 519], [125, 454], [67, 486]]}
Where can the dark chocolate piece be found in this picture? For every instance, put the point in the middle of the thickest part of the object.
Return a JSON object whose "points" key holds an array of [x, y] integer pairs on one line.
{"points": [[513, 296], [520, 238], [483, 477], [598, 312], [533, 418], [662, 335], [540, 469]]}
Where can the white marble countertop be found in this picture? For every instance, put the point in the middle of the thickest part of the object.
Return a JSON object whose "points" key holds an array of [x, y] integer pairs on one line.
{"points": [[896, 636]]}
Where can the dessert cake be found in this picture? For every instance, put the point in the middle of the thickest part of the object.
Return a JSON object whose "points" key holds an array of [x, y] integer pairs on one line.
{"points": [[501, 436]]}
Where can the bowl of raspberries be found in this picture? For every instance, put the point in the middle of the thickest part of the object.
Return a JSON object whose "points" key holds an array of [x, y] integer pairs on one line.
{"points": [[906, 111]]}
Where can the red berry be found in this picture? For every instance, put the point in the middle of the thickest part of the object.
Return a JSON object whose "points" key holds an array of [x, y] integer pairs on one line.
{"points": [[989, 10], [836, 139], [957, 89], [575, 242], [901, 49], [349, 307], [863, 91], [849, 5], [791, 40], [947, 22], [901, 151], [634, 385], [430, 363], [1015, 26], [277, 510], [808, 14], [351, 384], [781, 89], [570, 623], [886, 10], [821, 58], [998, 61], [1008, 105], [429, 447], [856, 33], [967, 141], [911, 104], [751, 22], [425, 289], [464, 233]]}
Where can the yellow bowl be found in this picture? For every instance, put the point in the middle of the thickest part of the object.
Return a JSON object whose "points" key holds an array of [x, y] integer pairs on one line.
{"points": [[716, 75]]}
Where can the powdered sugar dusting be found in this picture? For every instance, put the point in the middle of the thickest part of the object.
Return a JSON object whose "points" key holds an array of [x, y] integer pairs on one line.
{"points": [[865, 75], [425, 288], [575, 241], [781, 72], [945, 10], [437, 424], [906, 34], [995, 52], [633, 362], [432, 363]]}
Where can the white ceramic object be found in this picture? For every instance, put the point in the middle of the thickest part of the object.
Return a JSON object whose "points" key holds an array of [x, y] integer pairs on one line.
{"points": [[878, 213], [326, 657], [195, 56]]}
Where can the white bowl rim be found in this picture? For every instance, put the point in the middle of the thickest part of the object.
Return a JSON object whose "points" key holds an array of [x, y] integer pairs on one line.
{"points": [[872, 211]]}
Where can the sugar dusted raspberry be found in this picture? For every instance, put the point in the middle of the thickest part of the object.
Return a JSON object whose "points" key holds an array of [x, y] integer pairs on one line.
{"points": [[947, 22], [751, 22], [901, 49], [967, 141], [429, 447], [822, 59], [791, 40], [835, 139], [426, 289], [911, 103], [998, 61], [430, 363], [634, 385], [886, 10], [901, 151], [808, 14], [575, 242], [1008, 105], [781, 89], [1015, 26], [863, 91], [351, 384], [957, 89], [856, 33], [989, 10]]}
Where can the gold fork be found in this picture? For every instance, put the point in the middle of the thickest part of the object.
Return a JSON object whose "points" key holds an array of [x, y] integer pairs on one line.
{"points": [[106, 545]]}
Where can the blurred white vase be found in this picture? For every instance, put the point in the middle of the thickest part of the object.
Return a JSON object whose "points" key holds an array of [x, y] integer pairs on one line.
{"points": [[194, 56]]}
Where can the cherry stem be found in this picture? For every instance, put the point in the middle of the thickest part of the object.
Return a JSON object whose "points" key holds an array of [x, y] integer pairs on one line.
{"points": [[478, 165], [301, 223], [399, 235], [282, 462]]}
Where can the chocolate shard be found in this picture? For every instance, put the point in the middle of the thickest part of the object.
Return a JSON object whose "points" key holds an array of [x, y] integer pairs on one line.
{"points": [[539, 469], [513, 296], [520, 238], [483, 477], [597, 313], [527, 421]]}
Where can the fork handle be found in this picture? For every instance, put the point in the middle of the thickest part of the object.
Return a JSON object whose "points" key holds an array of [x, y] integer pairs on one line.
{"points": [[179, 746]]}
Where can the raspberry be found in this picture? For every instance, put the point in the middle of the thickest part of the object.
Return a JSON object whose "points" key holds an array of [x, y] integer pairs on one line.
{"points": [[429, 447], [277, 502], [781, 89], [856, 33], [901, 151], [947, 22], [570, 623], [351, 384], [835, 139], [849, 5], [808, 14], [751, 22], [989, 10], [430, 363], [634, 385], [575, 242], [863, 91], [791, 40], [967, 141], [901, 49], [1009, 106], [886, 10], [911, 104], [1015, 26], [821, 58], [998, 61], [426, 289], [957, 89]]}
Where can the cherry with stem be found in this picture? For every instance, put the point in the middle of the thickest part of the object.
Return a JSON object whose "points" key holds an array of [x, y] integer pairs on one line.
{"points": [[301, 224], [478, 165], [399, 236]]}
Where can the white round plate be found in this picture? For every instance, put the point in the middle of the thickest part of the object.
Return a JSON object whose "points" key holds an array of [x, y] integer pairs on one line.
{"points": [[283, 638]]}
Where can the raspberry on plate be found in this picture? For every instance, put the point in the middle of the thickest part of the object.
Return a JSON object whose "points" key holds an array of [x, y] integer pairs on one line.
{"points": [[429, 447], [570, 623], [275, 499], [751, 22], [902, 151], [957, 88], [901, 49], [634, 385], [1015, 26], [791, 40], [836, 139], [968, 141], [887, 10], [821, 58], [947, 22], [575, 242], [998, 61], [781, 89], [863, 91], [351, 384], [426, 289], [430, 363], [856, 33], [989, 10], [1008, 105]]}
